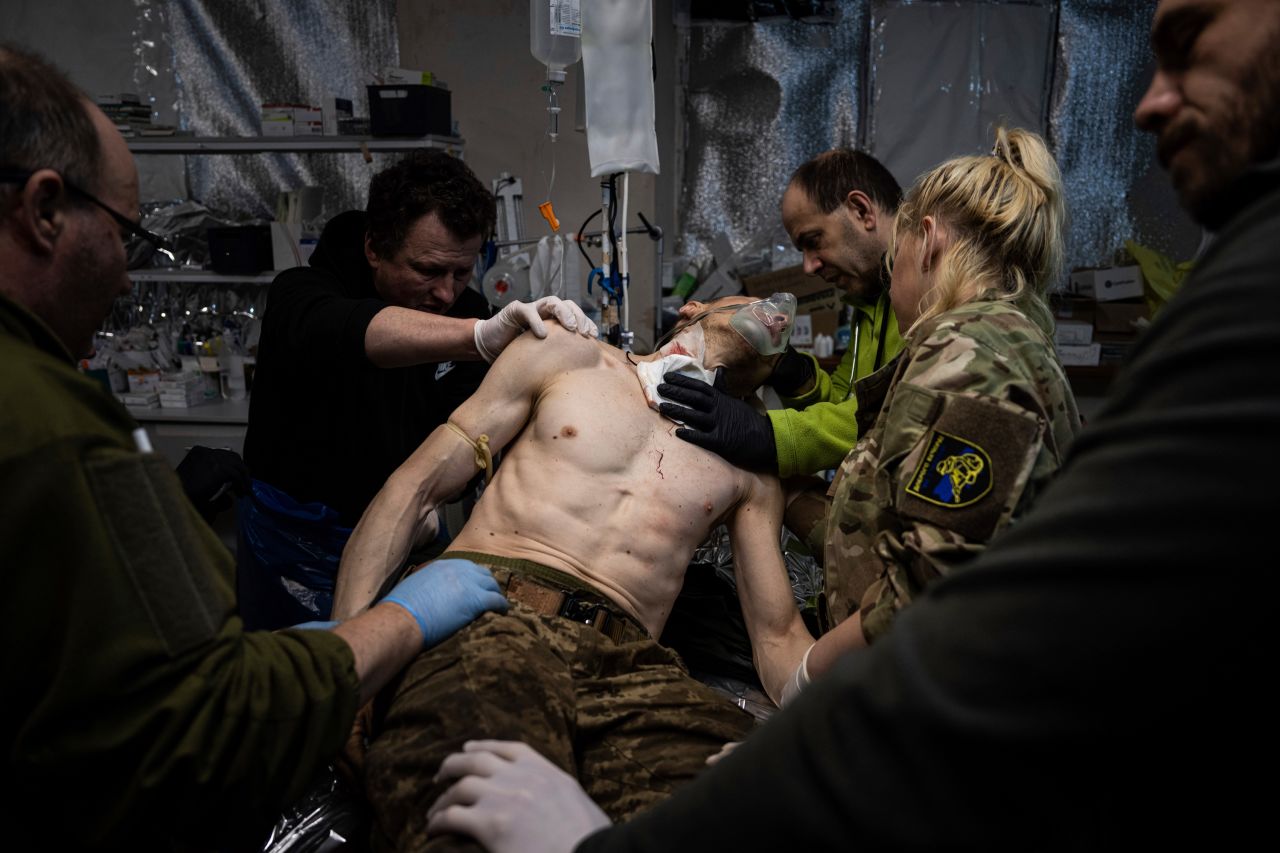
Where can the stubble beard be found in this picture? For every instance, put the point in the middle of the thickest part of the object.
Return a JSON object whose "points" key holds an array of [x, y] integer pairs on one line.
{"points": [[1225, 150]]}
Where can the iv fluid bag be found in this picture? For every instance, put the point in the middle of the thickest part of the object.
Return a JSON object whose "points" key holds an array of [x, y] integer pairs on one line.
{"points": [[555, 34], [617, 70]]}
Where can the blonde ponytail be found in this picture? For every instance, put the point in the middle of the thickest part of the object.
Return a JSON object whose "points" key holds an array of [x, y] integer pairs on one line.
{"points": [[1005, 216]]}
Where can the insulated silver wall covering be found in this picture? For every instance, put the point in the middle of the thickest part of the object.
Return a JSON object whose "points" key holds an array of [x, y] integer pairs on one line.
{"points": [[763, 97], [1108, 166], [230, 57]]}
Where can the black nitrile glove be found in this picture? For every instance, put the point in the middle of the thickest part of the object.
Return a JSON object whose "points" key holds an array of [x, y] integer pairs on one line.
{"points": [[209, 477], [719, 423], [792, 372]]}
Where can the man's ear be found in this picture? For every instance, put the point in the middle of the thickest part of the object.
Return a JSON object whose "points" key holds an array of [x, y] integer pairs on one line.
{"points": [[369, 254], [860, 206], [691, 309], [40, 210]]}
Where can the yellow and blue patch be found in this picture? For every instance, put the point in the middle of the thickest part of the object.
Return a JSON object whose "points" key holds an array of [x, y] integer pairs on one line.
{"points": [[953, 472]]}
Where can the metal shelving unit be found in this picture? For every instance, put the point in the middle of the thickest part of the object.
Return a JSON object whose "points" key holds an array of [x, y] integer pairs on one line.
{"points": [[201, 276], [178, 144], [285, 144]]}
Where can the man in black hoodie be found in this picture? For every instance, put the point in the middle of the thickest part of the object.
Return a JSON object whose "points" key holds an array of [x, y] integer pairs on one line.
{"points": [[362, 354], [1097, 679]]}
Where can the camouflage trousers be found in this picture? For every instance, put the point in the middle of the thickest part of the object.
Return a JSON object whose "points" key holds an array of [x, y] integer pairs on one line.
{"points": [[625, 719]]}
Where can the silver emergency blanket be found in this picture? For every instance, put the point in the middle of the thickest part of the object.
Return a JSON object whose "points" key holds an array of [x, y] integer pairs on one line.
{"points": [[328, 817], [761, 98], [230, 58], [802, 569]]}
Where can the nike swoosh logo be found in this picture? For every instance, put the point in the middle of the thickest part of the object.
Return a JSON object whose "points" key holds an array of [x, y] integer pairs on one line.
{"points": [[443, 369]]}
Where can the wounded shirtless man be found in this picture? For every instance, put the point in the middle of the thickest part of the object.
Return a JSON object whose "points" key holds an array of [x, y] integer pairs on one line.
{"points": [[588, 527]]}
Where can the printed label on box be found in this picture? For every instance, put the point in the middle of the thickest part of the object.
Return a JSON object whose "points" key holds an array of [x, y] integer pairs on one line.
{"points": [[1078, 355], [802, 331]]}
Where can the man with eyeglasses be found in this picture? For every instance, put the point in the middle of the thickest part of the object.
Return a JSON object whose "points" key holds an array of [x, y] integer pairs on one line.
{"points": [[137, 711]]}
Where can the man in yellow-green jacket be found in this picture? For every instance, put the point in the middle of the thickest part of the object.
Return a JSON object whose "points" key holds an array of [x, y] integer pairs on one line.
{"points": [[838, 209]]}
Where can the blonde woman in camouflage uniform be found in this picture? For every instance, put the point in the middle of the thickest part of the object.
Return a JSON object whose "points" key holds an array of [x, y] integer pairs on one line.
{"points": [[973, 418]]}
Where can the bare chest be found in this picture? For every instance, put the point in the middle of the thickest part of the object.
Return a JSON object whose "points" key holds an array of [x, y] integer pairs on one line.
{"points": [[595, 426]]}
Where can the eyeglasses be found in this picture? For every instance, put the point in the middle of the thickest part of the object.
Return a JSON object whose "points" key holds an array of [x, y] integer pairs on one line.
{"points": [[139, 243]]}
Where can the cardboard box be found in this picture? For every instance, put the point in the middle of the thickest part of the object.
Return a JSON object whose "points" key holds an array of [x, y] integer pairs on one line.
{"points": [[1114, 349], [334, 110], [308, 121], [1067, 307], [277, 120], [802, 331], [824, 322], [812, 293], [394, 76], [1079, 355], [1108, 285], [1073, 333], [1121, 318]]}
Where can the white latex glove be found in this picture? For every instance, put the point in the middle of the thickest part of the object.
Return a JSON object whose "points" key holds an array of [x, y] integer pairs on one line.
{"points": [[724, 750], [493, 335], [512, 800], [798, 681]]}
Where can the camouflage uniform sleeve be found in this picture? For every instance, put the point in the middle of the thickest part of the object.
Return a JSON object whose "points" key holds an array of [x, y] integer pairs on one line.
{"points": [[970, 426]]}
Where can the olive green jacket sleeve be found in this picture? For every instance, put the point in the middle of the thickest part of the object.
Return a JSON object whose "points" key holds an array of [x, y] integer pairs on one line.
{"points": [[817, 429], [136, 707]]}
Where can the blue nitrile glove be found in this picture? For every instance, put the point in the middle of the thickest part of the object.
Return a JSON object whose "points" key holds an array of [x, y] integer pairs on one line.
{"points": [[446, 595], [314, 626], [720, 423]]}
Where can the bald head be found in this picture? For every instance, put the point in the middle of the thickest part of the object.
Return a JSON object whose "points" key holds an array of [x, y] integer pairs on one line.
{"points": [[43, 121], [117, 174]]}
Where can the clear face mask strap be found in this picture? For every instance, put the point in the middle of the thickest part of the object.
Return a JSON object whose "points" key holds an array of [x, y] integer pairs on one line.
{"points": [[678, 328]]}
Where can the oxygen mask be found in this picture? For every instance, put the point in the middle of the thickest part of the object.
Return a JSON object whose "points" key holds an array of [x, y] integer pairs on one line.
{"points": [[766, 324]]}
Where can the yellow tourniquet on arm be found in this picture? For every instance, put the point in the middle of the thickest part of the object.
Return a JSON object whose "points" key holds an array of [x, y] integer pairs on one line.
{"points": [[484, 456]]}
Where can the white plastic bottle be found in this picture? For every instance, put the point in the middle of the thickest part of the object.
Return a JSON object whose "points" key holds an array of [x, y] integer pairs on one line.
{"points": [[555, 34]]}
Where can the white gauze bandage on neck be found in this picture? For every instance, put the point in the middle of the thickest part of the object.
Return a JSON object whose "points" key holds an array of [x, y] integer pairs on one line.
{"points": [[683, 355]]}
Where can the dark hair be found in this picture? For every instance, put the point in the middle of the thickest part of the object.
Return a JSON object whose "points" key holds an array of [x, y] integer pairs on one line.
{"points": [[829, 178], [44, 121], [427, 182]]}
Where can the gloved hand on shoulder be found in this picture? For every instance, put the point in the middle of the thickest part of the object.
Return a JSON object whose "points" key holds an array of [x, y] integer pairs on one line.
{"points": [[494, 334], [720, 423], [447, 595]]}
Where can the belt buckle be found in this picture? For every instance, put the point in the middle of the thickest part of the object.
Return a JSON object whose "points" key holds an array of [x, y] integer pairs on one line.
{"points": [[579, 609]]}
